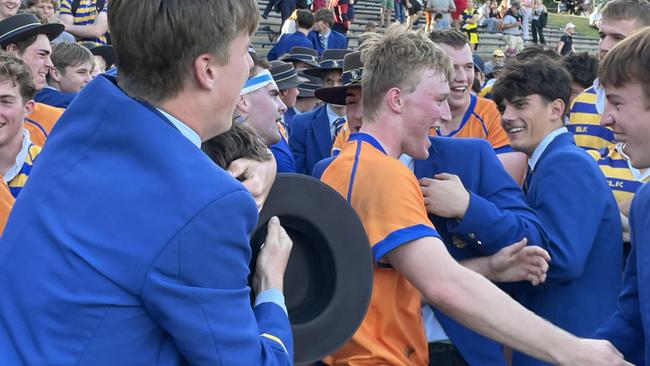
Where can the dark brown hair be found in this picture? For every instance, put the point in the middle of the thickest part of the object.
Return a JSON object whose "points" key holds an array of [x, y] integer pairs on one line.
{"points": [[450, 37], [238, 142]]}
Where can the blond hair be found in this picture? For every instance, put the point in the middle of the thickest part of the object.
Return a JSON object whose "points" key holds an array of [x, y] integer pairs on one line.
{"points": [[397, 60]]}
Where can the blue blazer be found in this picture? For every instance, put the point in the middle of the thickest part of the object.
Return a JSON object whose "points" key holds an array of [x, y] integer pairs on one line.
{"points": [[286, 42], [130, 247], [311, 139], [288, 117], [497, 216], [54, 97], [336, 40], [629, 327], [570, 195], [283, 158]]}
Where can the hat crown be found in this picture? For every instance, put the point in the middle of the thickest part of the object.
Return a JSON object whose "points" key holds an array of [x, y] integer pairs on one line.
{"points": [[22, 26]]}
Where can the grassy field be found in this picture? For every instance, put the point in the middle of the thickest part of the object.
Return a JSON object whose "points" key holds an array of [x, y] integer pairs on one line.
{"points": [[582, 24]]}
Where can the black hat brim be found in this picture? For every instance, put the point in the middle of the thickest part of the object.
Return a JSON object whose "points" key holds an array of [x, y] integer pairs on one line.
{"points": [[318, 72], [289, 58], [51, 30], [328, 280], [106, 52], [335, 94]]}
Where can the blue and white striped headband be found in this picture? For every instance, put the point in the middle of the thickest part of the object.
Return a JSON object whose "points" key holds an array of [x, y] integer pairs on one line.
{"points": [[259, 81]]}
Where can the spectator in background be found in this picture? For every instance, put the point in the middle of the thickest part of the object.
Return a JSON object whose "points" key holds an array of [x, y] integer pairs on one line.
{"points": [[469, 21], [539, 21], [527, 13], [489, 16], [304, 23], [8, 8], [88, 21], [306, 101], [497, 57], [434, 7], [565, 44], [48, 9], [414, 10], [399, 11], [73, 66], [441, 22], [583, 68], [322, 37], [343, 15], [512, 29], [385, 10], [284, 7]]}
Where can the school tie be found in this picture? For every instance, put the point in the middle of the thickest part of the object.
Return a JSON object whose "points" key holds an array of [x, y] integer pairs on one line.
{"points": [[323, 42], [338, 124], [529, 176]]}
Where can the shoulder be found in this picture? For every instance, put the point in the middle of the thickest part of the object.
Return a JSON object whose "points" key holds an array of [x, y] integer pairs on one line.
{"points": [[303, 118]]}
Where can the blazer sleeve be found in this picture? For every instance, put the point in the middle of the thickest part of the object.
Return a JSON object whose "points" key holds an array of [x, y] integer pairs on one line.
{"points": [[497, 215], [624, 328], [196, 289], [297, 143]]}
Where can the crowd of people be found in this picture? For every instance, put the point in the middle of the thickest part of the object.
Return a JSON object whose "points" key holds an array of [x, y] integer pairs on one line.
{"points": [[505, 202]]}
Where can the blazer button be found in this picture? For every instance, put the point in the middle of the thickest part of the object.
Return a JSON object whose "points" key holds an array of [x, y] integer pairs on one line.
{"points": [[472, 236]]}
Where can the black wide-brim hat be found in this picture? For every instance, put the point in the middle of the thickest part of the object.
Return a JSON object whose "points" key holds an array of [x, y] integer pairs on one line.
{"points": [[352, 72], [308, 88], [106, 52], [328, 280], [21, 26], [302, 54], [331, 60], [285, 76]]}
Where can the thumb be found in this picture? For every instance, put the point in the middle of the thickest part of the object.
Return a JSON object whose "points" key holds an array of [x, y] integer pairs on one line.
{"points": [[516, 247], [236, 168], [444, 176]]}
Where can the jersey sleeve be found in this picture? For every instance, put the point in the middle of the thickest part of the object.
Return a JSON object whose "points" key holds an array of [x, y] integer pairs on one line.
{"points": [[393, 211], [65, 8], [497, 136]]}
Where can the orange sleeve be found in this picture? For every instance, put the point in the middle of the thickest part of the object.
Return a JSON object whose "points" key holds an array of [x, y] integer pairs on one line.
{"points": [[497, 136], [6, 202]]}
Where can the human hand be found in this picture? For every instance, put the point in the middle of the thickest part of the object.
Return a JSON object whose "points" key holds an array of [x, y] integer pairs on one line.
{"points": [[272, 259], [445, 196], [256, 176], [592, 352], [518, 262]]}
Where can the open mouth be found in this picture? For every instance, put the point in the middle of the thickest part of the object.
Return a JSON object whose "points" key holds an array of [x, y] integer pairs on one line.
{"points": [[458, 90]]}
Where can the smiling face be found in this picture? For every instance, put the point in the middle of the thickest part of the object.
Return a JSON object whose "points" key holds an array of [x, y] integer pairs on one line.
{"points": [[424, 107], [527, 120], [12, 113], [627, 112], [8, 8], [73, 78], [37, 57], [461, 85]]}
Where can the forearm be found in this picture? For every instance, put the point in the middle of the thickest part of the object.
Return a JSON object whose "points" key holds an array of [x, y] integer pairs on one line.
{"points": [[86, 31], [481, 306]]}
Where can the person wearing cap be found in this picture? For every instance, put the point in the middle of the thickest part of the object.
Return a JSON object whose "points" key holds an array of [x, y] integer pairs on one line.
{"points": [[88, 21], [302, 57], [103, 57], [411, 262], [313, 133], [166, 263], [73, 66], [620, 18], [287, 81], [497, 56], [511, 27], [304, 22], [24, 36], [565, 44], [322, 37], [8, 8], [473, 116]]}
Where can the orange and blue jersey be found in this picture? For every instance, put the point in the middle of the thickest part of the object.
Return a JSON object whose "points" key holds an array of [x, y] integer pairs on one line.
{"points": [[39, 123], [386, 196], [18, 182], [6, 203], [584, 122], [623, 179], [85, 15], [483, 121]]}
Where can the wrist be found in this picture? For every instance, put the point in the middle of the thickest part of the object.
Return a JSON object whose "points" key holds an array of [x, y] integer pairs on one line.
{"points": [[267, 282], [464, 206]]}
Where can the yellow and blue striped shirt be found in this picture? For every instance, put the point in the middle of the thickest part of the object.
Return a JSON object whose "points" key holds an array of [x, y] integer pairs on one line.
{"points": [[623, 179], [17, 183], [584, 122], [85, 15]]}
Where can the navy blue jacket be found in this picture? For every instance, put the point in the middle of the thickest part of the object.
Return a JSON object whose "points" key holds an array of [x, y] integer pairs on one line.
{"points": [[336, 40], [130, 247], [311, 139], [286, 42], [54, 97], [283, 157], [629, 327]]}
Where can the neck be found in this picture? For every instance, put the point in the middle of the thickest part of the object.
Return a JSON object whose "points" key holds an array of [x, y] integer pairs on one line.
{"points": [[338, 109], [9, 151], [54, 85], [303, 31], [186, 111], [383, 130]]}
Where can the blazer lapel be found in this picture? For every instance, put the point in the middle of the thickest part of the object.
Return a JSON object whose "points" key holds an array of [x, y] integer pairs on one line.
{"points": [[321, 130]]}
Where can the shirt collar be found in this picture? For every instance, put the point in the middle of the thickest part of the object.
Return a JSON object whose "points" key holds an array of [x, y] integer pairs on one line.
{"points": [[641, 176], [326, 35], [600, 97], [184, 129], [10, 174], [332, 116], [539, 150]]}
